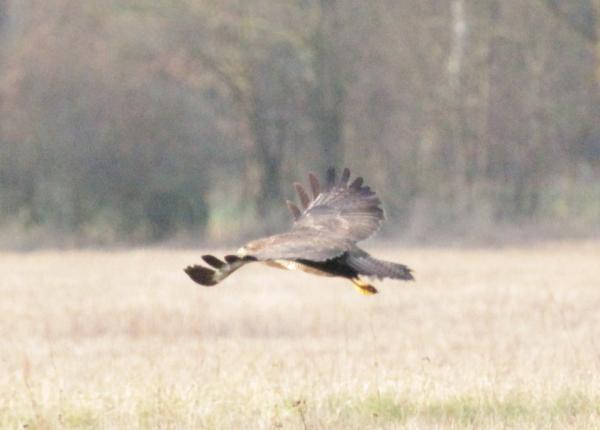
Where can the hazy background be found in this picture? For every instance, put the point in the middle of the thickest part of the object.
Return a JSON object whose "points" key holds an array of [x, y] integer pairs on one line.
{"points": [[177, 120]]}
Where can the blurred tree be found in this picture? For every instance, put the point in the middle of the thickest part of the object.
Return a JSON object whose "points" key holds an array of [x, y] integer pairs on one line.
{"points": [[583, 18], [255, 65], [134, 120], [328, 92], [91, 145], [3, 14]]}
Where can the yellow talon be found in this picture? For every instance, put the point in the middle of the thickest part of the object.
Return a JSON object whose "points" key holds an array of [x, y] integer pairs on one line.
{"points": [[364, 288]]}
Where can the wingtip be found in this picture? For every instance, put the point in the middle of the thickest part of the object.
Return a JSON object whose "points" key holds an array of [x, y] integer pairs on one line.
{"points": [[357, 183], [330, 177], [232, 259], [201, 275], [304, 199], [345, 177], [314, 184], [213, 261], [295, 210]]}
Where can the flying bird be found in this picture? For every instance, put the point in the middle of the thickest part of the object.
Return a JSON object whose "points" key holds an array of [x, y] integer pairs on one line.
{"points": [[323, 238]]}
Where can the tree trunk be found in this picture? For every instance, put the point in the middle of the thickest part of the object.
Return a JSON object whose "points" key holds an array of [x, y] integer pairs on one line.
{"points": [[329, 92]]}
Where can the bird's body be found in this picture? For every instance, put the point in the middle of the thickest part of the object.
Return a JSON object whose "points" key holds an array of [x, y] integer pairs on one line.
{"points": [[322, 241]]}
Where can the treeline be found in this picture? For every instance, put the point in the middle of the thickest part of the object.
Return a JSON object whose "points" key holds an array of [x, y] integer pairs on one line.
{"points": [[139, 120]]}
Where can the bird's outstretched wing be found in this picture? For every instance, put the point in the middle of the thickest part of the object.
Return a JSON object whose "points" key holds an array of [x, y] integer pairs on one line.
{"points": [[342, 209], [329, 224], [300, 243]]}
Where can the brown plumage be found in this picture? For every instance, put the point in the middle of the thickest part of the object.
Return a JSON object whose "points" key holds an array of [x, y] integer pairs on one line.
{"points": [[322, 239]]}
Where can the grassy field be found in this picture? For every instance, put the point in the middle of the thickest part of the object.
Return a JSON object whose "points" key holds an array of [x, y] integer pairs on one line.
{"points": [[484, 339]]}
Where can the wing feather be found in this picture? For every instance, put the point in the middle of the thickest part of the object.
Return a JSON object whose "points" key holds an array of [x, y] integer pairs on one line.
{"points": [[304, 199], [350, 211], [330, 224], [356, 184], [330, 180], [300, 243], [296, 212], [314, 184], [345, 177]]}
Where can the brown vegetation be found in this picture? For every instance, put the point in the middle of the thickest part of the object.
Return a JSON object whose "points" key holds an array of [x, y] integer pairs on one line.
{"points": [[483, 339]]}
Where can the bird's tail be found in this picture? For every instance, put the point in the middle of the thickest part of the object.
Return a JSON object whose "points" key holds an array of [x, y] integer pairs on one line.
{"points": [[220, 269], [366, 265]]}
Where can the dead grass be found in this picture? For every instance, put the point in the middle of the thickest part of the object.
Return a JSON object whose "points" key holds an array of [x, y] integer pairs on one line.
{"points": [[483, 339]]}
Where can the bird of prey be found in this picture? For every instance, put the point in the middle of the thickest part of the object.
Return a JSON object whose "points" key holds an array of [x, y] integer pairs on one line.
{"points": [[322, 241]]}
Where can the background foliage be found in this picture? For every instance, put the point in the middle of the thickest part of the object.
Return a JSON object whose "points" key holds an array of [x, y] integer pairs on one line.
{"points": [[137, 120]]}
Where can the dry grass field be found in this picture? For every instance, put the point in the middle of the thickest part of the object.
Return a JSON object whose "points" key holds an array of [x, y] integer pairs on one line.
{"points": [[490, 339]]}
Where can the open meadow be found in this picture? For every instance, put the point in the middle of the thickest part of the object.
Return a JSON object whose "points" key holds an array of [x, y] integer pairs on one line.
{"points": [[485, 338]]}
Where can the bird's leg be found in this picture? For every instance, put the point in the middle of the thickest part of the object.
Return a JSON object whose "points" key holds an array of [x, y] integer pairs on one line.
{"points": [[363, 287]]}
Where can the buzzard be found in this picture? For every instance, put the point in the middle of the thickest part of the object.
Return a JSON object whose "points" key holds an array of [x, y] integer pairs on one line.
{"points": [[323, 239]]}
